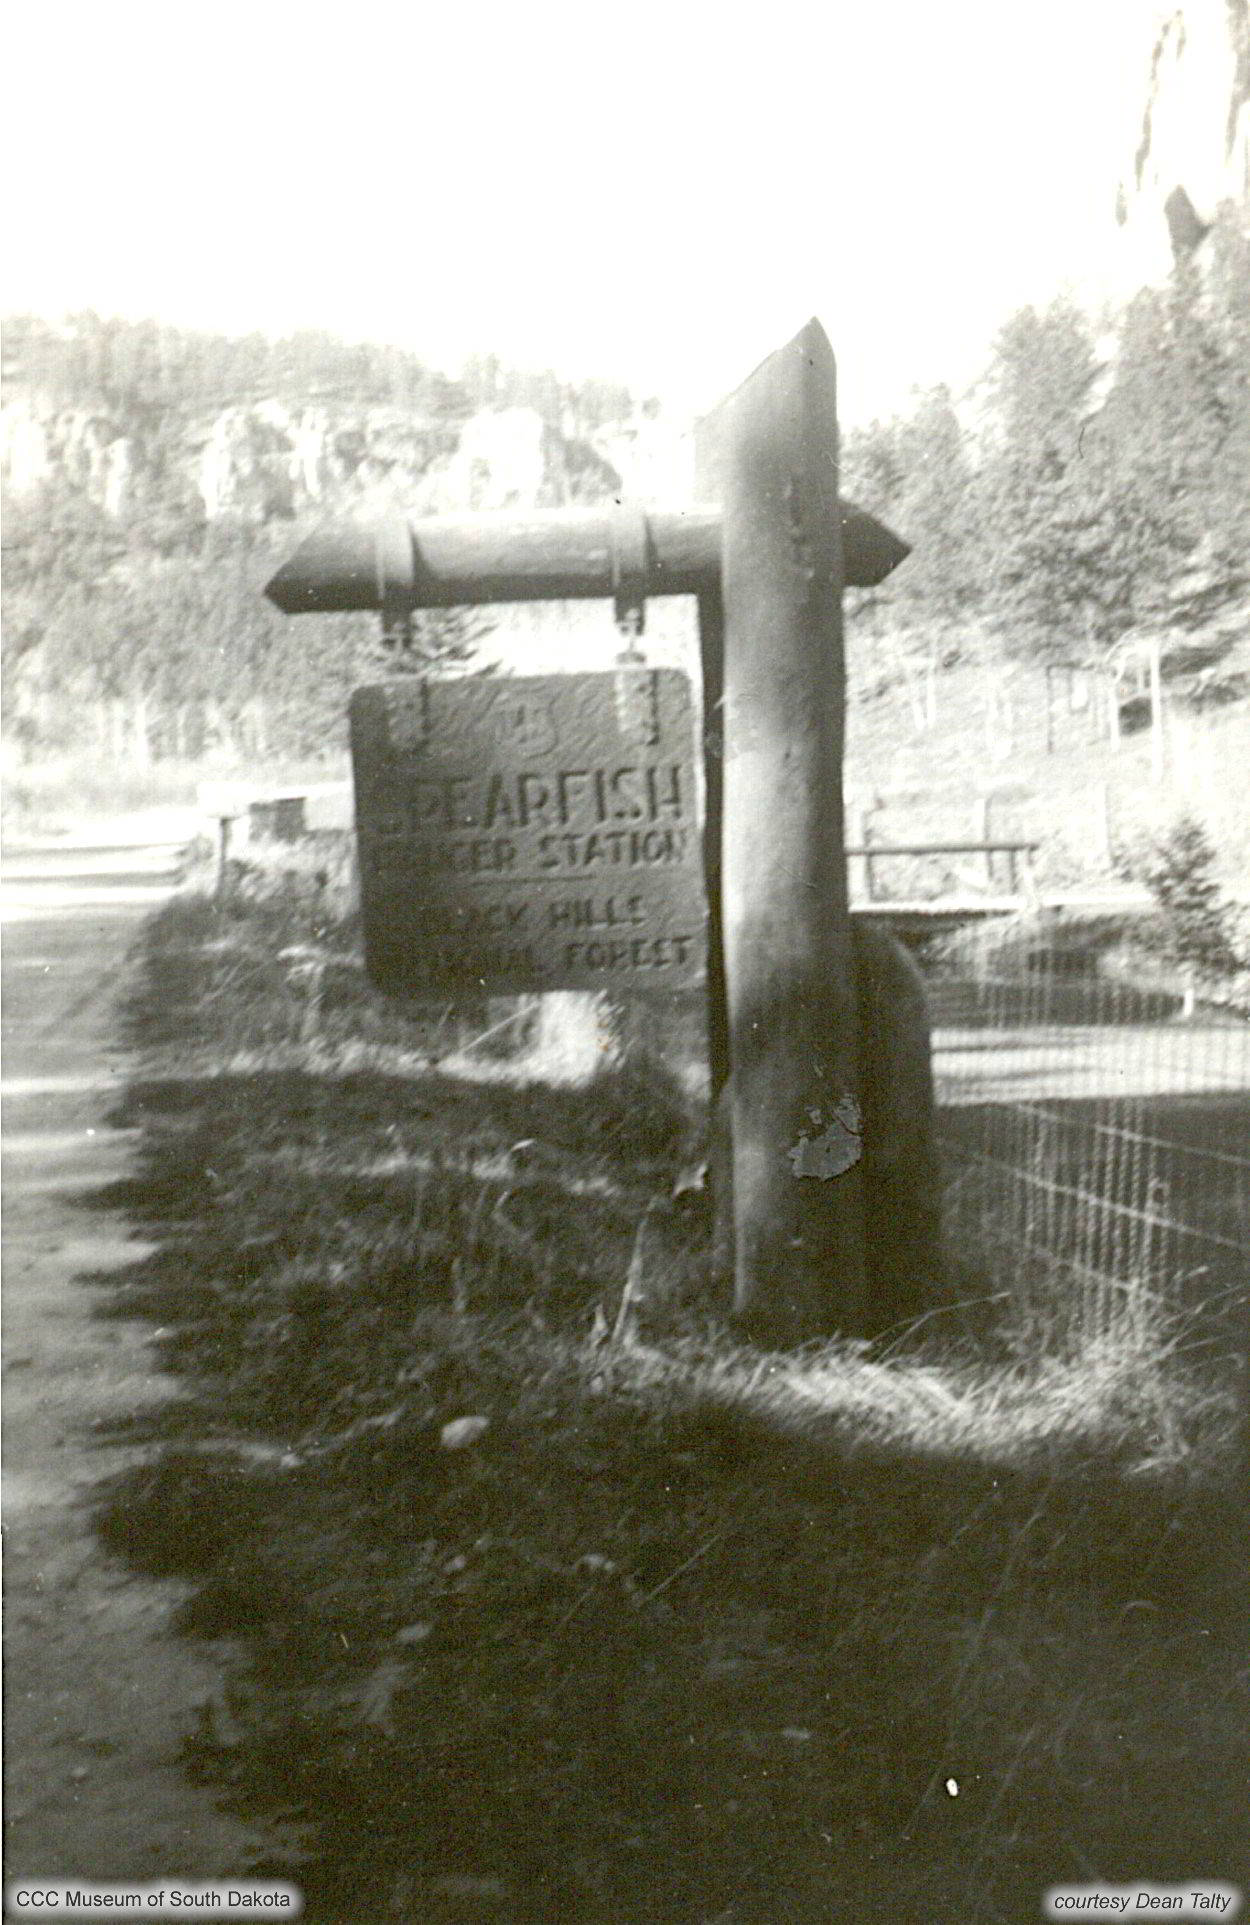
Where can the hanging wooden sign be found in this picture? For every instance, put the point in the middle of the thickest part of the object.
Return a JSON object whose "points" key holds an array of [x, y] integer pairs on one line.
{"points": [[529, 833]]}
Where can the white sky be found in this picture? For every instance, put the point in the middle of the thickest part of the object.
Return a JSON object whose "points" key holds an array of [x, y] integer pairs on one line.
{"points": [[656, 192]]}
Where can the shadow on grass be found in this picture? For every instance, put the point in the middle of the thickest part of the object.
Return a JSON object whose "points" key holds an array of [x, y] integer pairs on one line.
{"points": [[681, 1632], [649, 1650], [302, 1216]]}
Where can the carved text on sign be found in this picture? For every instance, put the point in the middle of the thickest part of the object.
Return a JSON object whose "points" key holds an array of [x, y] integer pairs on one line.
{"points": [[537, 832]]}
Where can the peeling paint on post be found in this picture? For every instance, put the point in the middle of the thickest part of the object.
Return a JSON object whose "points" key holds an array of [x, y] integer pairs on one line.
{"points": [[839, 1144], [799, 1243]]}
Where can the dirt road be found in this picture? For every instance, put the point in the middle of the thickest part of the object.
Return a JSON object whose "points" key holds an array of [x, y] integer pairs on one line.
{"points": [[97, 1689]]}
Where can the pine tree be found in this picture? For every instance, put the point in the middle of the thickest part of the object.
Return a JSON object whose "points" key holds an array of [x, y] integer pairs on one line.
{"points": [[916, 473], [1194, 926], [440, 639], [1048, 491]]}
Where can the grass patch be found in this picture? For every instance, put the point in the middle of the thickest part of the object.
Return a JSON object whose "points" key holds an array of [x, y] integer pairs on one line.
{"points": [[682, 1631]]}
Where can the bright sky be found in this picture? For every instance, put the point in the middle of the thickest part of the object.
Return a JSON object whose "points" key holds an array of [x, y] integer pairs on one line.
{"points": [[659, 192]]}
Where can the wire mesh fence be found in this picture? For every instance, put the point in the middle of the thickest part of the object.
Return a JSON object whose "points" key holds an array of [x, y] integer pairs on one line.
{"points": [[1096, 1132], [1095, 1128]]}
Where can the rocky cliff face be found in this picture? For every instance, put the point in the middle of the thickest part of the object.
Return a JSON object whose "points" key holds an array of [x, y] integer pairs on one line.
{"points": [[1192, 147], [89, 452], [268, 460]]}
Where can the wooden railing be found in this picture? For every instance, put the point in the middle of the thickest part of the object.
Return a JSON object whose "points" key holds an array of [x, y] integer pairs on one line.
{"points": [[1020, 878]]}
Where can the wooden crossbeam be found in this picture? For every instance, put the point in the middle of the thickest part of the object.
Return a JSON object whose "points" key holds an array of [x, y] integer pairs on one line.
{"points": [[561, 554]]}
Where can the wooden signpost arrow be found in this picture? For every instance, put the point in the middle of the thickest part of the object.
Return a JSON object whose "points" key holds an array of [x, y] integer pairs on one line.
{"points": [[768, 562]]}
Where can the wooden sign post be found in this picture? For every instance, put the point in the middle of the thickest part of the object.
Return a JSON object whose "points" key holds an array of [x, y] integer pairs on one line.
{"points": [[464, 884], [796, 1115]]}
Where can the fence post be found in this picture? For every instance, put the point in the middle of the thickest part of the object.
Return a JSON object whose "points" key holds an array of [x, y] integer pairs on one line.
{"points": [[984, 812], [1156, 710], [1049, 672], [1027, 877], [224, 823], [141, 738], [1112, 687], [1102, 819]]}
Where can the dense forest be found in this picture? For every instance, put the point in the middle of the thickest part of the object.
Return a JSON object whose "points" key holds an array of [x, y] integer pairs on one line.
{"points": [[1093, 486], [148, 375], [1090, 487]]}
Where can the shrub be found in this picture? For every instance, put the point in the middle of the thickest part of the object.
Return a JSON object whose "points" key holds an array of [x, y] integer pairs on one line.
{"points": [[1194, 928]]}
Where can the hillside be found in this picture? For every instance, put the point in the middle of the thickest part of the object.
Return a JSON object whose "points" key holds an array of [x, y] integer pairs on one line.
{"points": [[154, 478], [1065, 757], [1089, 517]]}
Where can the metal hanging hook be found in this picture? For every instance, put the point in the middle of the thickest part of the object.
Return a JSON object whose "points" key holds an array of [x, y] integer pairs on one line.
{"points": [[630, 562], [393, 571]]}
